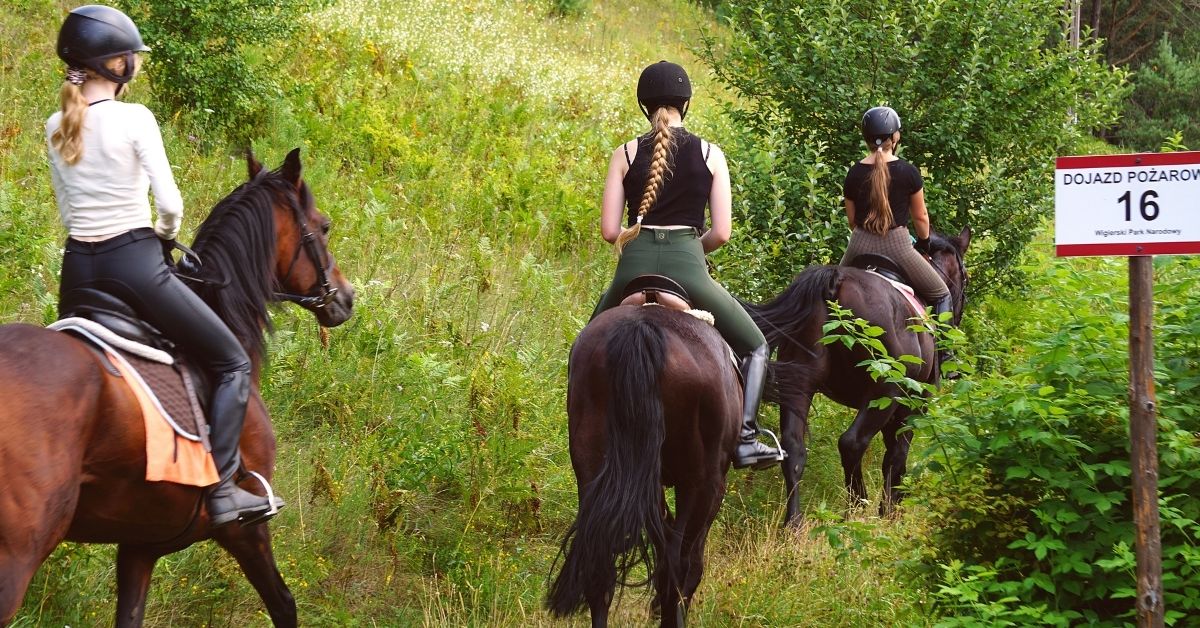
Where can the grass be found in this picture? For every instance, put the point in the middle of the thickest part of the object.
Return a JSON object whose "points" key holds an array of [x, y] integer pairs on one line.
{"points": [[459, 148]]}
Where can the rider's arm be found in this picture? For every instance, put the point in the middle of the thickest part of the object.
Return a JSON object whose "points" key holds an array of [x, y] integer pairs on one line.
{"points": [[720, 203], [168, 203], [920, 216], [612, 205], [850, 212]]}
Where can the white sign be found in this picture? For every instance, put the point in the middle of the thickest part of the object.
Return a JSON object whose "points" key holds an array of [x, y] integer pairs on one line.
{"points": [[1143, 204]]}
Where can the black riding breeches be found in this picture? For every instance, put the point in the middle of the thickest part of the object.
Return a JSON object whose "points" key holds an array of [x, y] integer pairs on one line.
{"points": [[130, 266]]}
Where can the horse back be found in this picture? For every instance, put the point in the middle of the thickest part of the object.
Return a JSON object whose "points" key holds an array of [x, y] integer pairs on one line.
{"points": [[874, 300]]}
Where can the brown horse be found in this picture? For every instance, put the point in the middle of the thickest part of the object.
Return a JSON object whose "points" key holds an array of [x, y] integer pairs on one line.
{"points": [[653, 401], [72, 442], [794, 323]]}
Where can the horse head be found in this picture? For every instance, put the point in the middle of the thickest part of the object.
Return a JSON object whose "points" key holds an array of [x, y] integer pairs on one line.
{"points": [[946, 254], [305, 270]]}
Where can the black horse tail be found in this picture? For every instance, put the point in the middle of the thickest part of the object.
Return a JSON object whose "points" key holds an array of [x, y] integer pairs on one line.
{"points": [[620, 521], [787, 315]]}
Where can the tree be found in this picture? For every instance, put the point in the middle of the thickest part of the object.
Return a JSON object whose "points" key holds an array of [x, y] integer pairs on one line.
{"points": [[986, 91], [1165, 100], [202, 53]]}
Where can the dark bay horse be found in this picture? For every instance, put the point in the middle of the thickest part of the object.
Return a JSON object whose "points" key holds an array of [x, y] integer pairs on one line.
{"points": [[793, 322], [653, 401], [72, 442]]}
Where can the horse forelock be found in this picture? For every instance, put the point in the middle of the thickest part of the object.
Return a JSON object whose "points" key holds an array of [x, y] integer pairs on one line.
{"points": [[236, 243]]}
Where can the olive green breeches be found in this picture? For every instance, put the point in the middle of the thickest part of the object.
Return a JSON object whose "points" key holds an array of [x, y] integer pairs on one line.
{"points": [[678, 254]]}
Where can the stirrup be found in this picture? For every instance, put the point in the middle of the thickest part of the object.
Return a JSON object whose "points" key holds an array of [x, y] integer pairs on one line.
{"points": [[271, 500], [778, 445]]}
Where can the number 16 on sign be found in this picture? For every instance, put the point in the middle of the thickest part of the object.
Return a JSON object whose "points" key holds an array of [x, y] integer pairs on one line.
{"points": [[1143, 204]]}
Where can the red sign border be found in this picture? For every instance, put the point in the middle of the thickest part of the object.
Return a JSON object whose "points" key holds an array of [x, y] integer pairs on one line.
{"points": [[1184, 158], [1126, 249]]}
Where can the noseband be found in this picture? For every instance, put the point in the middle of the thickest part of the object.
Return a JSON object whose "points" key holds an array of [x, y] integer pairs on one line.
{"points": [[308, 244]]}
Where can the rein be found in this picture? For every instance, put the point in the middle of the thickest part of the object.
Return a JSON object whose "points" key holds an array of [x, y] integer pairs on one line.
{"points": [[308, 244]]}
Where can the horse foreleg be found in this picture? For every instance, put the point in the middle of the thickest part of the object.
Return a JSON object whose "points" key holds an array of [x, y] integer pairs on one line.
{"points": [[251, 546], [895, 461], [134, 566], [853, 443], [793, 425]]}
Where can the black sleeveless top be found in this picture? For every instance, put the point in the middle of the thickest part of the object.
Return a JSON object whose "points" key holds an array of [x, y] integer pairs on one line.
{"points": [[685, 188], [905, 181]]}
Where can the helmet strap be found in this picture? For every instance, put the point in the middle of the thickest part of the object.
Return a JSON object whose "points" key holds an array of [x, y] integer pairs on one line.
{"points": [[120, 79], [683, 111], [645, 111]]}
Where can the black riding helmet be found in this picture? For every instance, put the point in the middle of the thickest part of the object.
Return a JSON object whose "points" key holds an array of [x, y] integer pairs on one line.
{"points": [[94, 33], [879, 123], [664, 83]]}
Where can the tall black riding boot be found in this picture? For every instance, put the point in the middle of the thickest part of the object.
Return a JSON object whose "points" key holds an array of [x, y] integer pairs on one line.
{"points": [[228, 502], [945, 304], [750, 452]]}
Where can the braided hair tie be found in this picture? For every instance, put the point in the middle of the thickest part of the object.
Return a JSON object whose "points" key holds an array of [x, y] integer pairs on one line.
{"points": [[76, 75]]}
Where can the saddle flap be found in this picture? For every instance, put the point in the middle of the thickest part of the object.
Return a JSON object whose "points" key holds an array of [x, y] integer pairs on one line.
{"points": [[882, 265], [114, 314], [652, 286]]}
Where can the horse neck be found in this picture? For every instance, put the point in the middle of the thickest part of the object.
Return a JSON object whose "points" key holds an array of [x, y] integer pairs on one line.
{"points": [[237, 247]]}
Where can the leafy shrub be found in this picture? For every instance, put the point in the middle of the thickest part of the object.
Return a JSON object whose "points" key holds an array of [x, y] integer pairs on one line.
{"points": [[984, 90], [1029, 504], [210, 57]]}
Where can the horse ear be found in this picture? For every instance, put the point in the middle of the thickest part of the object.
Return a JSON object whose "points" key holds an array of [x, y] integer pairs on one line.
{"points": [[964, 239], [253, 166], [291, 167]]}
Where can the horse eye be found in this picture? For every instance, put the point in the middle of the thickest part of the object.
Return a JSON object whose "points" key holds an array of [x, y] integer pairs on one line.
{"points": [[325, 227]]}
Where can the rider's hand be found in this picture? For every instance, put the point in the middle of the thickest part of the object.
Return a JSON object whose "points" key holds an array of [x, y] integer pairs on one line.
{"points": [[922, 246], [167, 247]]}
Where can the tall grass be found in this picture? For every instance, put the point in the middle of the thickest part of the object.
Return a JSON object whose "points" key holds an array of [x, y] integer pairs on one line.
{"points": [[459, 149]]}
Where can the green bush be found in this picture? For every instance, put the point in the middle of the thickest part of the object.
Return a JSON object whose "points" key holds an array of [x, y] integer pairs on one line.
{"points": [[211, 59], [984, 90], [1029, 502]]}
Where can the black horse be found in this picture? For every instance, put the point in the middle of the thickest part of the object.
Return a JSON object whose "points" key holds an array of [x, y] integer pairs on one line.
{"points": [[793, 322], [653, 401]]}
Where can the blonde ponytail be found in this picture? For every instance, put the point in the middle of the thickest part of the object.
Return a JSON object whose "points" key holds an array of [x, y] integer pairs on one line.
{"points": [[879, 208], [660, 167], [67, 139]]}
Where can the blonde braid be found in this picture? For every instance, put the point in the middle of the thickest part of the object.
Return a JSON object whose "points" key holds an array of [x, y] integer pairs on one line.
{"points": [[664, 144], [67, 139]]}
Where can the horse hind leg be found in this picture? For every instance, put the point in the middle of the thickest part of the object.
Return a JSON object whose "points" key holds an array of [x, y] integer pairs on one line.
{"points": [[895, 461], [251, 547], [853, 443], [793, 423]]}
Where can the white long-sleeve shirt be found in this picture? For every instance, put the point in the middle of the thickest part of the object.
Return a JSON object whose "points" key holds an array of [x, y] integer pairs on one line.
{"points": [[105, 192]]}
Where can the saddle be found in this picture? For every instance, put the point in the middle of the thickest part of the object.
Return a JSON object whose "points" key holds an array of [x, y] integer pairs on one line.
{"points": [[887, 268], [171, 392], [656, 289]]}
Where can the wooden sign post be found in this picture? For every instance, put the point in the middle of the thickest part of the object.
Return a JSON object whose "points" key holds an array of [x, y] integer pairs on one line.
{"points": [[1137, 206]]}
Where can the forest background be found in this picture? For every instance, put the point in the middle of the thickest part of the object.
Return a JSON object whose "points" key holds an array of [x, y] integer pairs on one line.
{"points": [[459, 148]]}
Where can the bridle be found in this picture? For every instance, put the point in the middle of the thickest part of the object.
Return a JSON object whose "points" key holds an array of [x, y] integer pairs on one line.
{"points": [[959, 299], [308, 244]]}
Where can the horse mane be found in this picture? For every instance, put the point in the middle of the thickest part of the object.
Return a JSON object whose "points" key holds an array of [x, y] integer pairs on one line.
{"points": [[237, 245]]}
